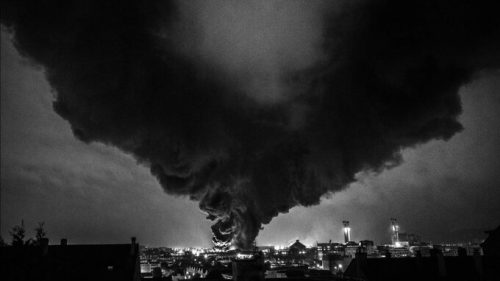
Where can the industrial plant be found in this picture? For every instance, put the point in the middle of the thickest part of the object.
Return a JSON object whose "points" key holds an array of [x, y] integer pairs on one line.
{"points": [[347, 260]]}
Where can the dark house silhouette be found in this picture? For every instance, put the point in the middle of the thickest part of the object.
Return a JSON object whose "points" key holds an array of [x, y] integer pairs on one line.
{"points": [[70, 262], [436, 267], [296, 247], [491, 246], [249, 269]]}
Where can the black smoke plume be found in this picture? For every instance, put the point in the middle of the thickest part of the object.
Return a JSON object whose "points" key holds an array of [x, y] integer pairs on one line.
{"points": [[389, 81]]}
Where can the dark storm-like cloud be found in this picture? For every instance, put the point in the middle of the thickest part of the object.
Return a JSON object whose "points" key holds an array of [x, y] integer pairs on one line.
{"points": [[388, 79]]}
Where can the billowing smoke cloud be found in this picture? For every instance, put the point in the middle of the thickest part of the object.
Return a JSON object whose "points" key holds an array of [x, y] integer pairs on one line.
{"points": [[251, 119]]}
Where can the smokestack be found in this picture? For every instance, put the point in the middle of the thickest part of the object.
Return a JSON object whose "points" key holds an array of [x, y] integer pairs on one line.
{"points": [[347, 231], [395, 231], [133, 246]]}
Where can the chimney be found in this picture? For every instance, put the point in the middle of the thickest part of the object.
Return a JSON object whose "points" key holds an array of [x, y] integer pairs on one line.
{"points": [[64, 242], [44, 245], [347, 231], [395, 231], [133, 246]]}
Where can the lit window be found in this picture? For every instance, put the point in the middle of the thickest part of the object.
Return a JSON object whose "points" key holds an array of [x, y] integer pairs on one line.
{"points": [[110, 267]]}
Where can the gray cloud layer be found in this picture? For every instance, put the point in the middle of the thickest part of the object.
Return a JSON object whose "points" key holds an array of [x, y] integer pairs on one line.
{"points": [[389, 80]]}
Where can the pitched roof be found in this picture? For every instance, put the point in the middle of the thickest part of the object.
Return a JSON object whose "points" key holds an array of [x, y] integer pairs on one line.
{"points": [[298, 245]]}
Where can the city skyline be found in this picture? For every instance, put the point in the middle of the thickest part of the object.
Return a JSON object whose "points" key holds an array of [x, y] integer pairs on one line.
{"points": [[96, 193]]}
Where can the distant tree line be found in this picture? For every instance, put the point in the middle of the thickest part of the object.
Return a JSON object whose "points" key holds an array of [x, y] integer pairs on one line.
{"points": [[18, 236]]}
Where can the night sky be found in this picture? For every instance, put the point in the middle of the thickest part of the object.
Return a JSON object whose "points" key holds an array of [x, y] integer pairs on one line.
{"points": [[145, 119]]}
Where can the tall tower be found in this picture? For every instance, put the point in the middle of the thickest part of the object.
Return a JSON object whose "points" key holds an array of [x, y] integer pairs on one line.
{"points": [[395, 231], [347, 231]]}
